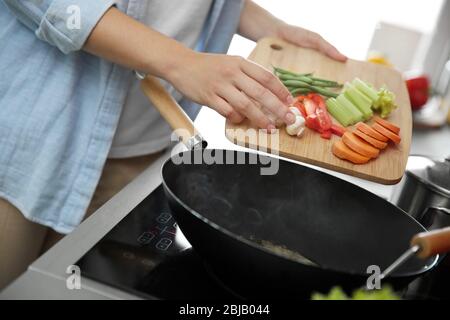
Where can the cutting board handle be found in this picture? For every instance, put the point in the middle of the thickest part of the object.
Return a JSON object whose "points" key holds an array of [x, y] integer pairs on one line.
{"points": [[172, 112]]}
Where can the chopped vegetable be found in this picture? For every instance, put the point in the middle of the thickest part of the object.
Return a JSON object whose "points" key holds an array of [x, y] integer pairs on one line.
{"points": [[324, 118], [387, 133], [382, 101], [385, 103], [366, 89], [343, 152], [359, 100], [335, 294], [360, 146], [327, 135], [298, 127], [339, 113], [374, 142], [338, 130], [386, 293], [300, 84], [371, 132], [310, 106], [354, 112], [313, 123], [300, 106], [388, 125]]}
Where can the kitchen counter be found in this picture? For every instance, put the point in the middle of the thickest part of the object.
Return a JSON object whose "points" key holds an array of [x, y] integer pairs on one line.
{"points": [[46, 278]]}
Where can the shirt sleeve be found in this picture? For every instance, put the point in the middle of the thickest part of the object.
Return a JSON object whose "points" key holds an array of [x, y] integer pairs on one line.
{"points": [[65, 24]]}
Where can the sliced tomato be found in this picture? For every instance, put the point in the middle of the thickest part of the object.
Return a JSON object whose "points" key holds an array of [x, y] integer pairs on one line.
{"points": [[326, 134], [338, 130]]}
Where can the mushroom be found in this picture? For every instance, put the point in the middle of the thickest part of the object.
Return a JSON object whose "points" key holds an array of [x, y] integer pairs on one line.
{"points": [[298, 127]]}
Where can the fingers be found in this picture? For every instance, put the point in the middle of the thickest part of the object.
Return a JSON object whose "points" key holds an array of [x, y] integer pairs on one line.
{"points": [[224, 108], [242, 104], [267, 80], [317, 42], [331, 51], [266, 98]]}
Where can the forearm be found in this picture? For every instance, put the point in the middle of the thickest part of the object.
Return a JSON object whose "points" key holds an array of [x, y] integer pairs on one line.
{"points": [[256, 22], [228, 84], [125, 41]]}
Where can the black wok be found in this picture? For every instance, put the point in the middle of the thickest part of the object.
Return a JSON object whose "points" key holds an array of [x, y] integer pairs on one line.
{"points": [[241, 222]]}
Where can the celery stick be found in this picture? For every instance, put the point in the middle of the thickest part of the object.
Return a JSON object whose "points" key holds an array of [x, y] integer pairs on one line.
{"points": [[338, 112], [366, 89], [354, 112], [359, 100]]}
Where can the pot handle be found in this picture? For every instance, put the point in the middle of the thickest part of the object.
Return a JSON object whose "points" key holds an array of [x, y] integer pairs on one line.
{"points": [[172, 112], [432, 243]]}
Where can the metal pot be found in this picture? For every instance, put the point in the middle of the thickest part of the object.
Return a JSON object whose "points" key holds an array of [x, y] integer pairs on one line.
{"points": [[425, 194], [425, 191]]}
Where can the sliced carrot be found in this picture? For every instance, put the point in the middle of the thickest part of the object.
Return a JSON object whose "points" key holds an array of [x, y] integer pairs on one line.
{"points": [[388, 125], [374, 142], [343, 152], [387, 133], [371, 132], [360, 146]]}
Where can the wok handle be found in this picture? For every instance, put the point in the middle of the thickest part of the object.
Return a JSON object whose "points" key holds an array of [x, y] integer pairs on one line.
{"points": [[172, 112], [432, 243]]}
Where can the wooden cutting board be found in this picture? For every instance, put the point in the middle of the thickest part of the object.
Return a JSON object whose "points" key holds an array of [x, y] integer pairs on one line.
{"points": [[388, 168]]}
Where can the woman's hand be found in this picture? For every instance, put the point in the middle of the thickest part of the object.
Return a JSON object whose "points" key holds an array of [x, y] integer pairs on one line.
{"points": [[233, 86], [308, 39], [256, 23]]}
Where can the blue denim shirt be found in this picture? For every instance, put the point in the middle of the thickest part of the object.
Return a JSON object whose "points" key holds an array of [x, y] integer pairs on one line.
{"points": [[59, 106]]}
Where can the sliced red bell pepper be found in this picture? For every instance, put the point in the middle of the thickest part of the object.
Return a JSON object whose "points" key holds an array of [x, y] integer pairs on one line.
{"points": [[310, 107], [313, 123], [338, 130], [325, 121], [317, 116], [326, 134], [318, 100], [322, 111], [300, 106]]}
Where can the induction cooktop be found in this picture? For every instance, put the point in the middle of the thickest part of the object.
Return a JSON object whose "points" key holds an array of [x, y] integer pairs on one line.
{"points": [[146, 254]]}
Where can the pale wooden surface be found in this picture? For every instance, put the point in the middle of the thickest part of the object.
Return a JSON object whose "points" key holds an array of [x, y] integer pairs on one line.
{"points": [[389, 167], [168, 108]]}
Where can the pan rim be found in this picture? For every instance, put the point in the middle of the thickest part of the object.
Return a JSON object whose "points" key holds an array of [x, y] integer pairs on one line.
{"points": [[255, 245]]}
